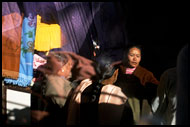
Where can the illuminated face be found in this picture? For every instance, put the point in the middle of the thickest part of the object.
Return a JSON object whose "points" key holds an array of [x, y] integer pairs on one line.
{"points": [[66, 70], [134, 57]]}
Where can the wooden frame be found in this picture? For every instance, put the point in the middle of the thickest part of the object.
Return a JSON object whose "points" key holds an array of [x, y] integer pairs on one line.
{"points": [[12, 87]]}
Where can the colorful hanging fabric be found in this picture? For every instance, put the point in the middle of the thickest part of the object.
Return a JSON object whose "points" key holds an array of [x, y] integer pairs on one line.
{"points": [[26, 56], [11, 39], [48, 36]]}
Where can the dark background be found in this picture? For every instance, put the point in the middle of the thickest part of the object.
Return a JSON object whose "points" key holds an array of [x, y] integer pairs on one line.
{"points": [[160, 28]]}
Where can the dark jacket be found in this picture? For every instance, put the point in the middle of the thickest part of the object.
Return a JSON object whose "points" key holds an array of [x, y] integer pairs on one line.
{"points": [[140, 88]]}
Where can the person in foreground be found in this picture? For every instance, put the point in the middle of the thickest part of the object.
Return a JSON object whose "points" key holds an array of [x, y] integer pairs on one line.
{"points": [[97, 101], [138, 83], [164, 105], [61, 74]]}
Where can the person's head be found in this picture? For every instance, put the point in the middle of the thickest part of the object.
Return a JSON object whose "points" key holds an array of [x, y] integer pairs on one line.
{"points": [[58, 64], [65, 70], [104, 66], [132, 56]]}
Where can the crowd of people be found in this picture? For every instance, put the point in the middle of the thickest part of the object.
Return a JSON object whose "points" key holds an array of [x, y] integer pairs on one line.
{"points": [[77, 91], [65, 54]]}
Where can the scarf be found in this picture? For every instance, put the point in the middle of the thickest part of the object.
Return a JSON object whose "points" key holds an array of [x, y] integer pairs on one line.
{"points": [[130, 70]]}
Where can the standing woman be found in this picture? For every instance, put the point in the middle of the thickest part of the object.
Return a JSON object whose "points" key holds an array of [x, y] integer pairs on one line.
{"points": [[138, 83]]}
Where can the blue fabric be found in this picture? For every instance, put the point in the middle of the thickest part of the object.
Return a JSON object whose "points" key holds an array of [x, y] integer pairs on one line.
{"points": [[26, 56]]}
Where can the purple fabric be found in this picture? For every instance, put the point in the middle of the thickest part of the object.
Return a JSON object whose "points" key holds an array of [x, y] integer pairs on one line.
{"points": [[111, 33], [45, 9], [9, 7], [48, 12], [80, 20], [28, 8], [75, 19]]}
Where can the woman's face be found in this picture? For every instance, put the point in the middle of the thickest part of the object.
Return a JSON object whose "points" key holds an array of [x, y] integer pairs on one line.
{"points": [[134, 57], [66, 70]]}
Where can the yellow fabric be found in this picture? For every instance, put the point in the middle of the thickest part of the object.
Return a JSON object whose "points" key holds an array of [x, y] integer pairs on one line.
{"points": [[48, 36]]}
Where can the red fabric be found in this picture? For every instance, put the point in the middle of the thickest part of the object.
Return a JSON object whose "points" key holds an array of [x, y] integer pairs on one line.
{"points": [[11, 43]]}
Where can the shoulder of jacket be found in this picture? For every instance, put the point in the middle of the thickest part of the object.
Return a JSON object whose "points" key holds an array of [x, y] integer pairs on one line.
{"points": [[146, 72], [143, 69]]}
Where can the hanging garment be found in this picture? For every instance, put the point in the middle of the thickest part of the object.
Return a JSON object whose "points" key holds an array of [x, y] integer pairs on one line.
{"points": [[110, 28], [75, 19], [26, 56], [11, 39], [48, 36], [84, 21]]}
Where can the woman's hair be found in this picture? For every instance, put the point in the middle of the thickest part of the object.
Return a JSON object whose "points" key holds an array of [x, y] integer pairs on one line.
{"points": [[55, 60], [126, 51], [104, 68], [60, 57]]}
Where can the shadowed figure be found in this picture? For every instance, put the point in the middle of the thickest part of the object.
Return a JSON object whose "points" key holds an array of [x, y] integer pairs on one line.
{"points": [[182, 114], [93, 103], [61, 74], [164, 105]]}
